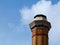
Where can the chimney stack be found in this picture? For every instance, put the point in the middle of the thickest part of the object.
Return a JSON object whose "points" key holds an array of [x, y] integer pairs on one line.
{"points": [[40, 28]]}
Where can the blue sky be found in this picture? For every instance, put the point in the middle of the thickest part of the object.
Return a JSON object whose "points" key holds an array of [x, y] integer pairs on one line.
{"points": [[15, 19]]}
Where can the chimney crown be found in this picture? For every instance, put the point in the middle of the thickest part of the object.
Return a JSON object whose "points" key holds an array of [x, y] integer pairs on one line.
{"points": [[40, 21]]}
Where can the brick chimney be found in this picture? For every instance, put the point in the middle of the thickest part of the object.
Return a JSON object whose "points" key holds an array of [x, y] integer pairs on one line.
{"points": [[40, 28]]}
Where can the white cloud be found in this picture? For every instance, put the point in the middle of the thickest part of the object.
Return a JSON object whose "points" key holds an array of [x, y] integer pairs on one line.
{"points": [[51, 11], [38, 8]]}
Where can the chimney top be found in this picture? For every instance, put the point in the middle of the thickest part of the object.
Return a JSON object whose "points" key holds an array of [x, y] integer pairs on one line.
{"points": [[40, 15]]}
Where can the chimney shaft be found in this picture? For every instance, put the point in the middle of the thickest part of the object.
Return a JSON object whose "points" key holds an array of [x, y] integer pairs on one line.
{"points": [[40, 28]]}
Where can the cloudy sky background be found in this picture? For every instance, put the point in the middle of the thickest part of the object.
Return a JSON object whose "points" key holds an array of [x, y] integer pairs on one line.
{"points": [[15, 16]]}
